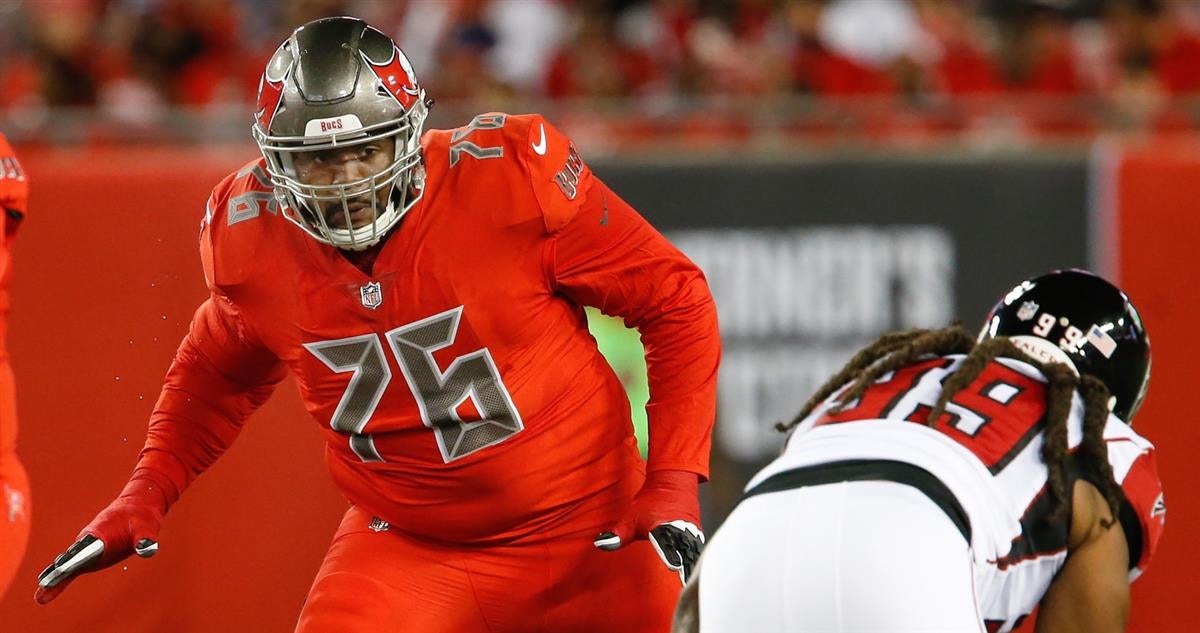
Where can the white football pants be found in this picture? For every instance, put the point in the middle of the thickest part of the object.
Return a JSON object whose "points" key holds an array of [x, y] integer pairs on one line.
{"points": [[848, 557]]}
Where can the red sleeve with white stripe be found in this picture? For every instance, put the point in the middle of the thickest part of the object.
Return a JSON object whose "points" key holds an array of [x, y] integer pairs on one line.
{"points": [[1143, 489], [1135, 468]]}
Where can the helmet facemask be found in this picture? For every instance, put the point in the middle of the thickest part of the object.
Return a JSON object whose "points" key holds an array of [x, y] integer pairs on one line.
{"points": [[402, 182]]}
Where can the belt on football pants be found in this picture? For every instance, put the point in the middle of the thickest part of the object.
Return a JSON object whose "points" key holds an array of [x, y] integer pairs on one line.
{"points": [[869, 470]]}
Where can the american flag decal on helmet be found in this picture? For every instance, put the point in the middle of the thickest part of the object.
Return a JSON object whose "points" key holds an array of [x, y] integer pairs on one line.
{"points": [[1102, 341]]}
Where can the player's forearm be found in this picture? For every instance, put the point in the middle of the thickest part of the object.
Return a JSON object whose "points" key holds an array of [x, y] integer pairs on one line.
{"points": [[190, 430], [1085, 599], [681, 428], [1107, 616], [204, 402], [681, 434], [683, 351], [683, 343]]}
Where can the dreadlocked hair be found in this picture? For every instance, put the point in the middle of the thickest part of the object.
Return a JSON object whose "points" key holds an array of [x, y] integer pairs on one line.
{"points": [[898, 349], [889, 352], [1093, 451]]}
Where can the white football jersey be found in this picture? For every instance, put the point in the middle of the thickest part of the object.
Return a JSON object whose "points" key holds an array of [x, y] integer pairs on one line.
{"points": [[987, 451]]}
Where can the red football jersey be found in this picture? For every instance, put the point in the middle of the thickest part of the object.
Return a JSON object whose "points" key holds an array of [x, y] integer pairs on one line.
{"points": [[461, 395], [14, 199], [14, 196]]}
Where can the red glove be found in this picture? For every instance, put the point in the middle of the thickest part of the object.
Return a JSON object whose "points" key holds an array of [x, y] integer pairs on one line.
{"points": [[128, 525], [667, 512]]}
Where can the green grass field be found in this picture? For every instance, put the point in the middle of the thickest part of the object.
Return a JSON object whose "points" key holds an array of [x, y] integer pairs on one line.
{"points": [[622, 347]]}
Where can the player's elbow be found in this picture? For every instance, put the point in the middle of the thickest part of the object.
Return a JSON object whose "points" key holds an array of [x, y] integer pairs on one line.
{"points": [[692, 296]]}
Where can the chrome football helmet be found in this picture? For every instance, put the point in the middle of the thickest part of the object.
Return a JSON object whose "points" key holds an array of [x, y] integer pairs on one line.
{"points": [[339, 82]]}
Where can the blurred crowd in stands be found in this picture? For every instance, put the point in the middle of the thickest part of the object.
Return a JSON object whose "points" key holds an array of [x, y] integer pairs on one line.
{"points": [[896, 68]]}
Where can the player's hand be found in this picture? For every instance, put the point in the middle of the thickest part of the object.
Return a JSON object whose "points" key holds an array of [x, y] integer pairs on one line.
{"points": [[128, 525], [667, 512]]}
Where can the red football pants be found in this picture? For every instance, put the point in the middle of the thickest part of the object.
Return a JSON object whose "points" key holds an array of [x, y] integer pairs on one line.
{"points": [[14, 486], [553, 582]]}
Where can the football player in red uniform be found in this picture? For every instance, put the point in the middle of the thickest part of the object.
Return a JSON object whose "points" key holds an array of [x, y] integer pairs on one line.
{"points": [[427, 292], [938, 483], [14, 485]]}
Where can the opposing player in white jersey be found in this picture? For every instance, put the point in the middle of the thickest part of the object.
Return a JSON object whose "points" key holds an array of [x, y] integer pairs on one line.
{"points": [[945, 483]]}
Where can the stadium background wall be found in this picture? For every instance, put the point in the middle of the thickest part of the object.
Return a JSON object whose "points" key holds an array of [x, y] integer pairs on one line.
{"points": [[808, 258]]}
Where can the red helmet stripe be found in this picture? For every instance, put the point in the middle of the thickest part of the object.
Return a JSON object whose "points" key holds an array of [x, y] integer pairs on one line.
{"points": [[270, 93], [397, 78]]}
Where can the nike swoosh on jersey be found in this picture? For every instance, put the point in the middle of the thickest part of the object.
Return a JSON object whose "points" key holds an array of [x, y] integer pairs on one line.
{"points": [[540, 146]]}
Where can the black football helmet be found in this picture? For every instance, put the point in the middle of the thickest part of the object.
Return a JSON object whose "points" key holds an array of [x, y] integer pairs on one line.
{"points": [[1081, 320]]}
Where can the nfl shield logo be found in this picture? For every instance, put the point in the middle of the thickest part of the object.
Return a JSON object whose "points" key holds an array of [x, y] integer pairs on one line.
{"points": [[1028, 310], [372, 295]]}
